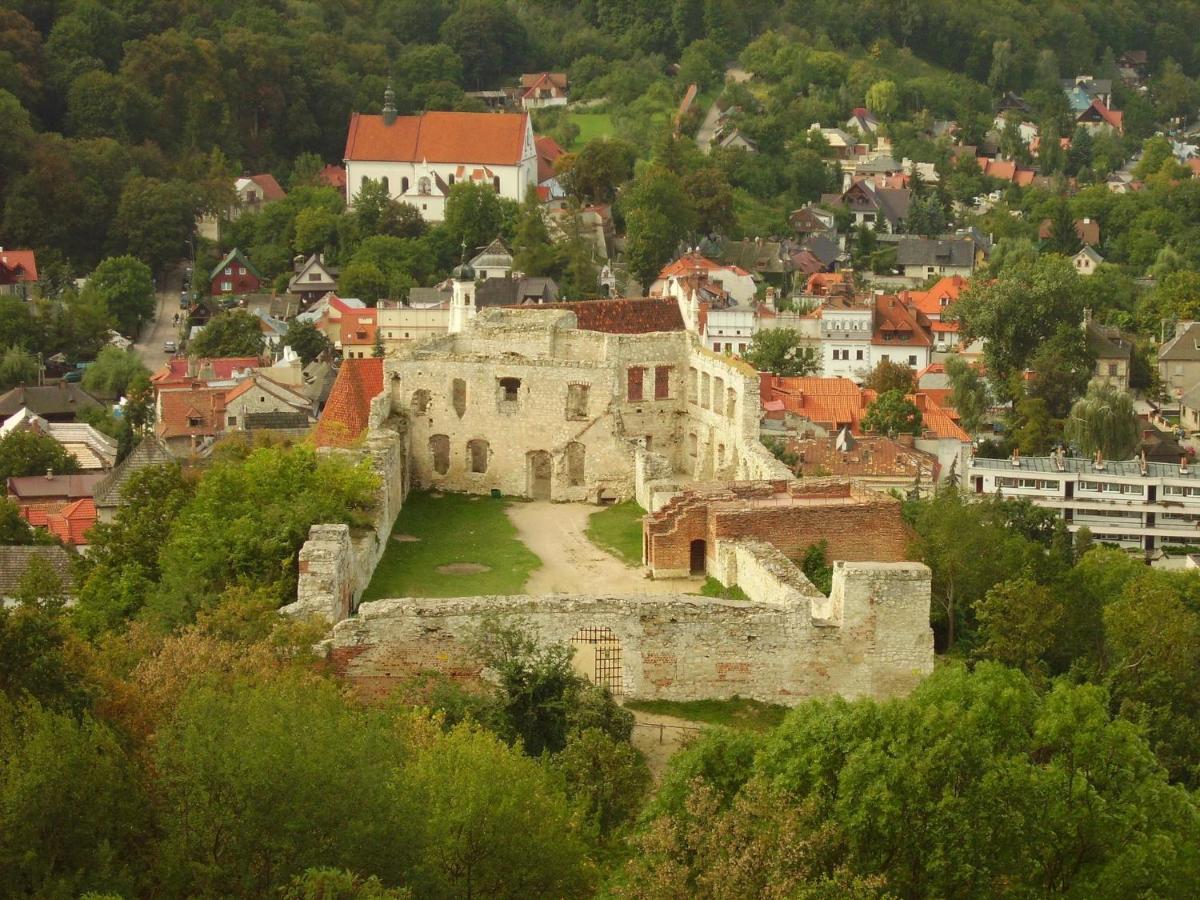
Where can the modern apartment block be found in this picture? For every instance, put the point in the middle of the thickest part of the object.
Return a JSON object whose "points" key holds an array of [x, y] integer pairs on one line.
{"points": [[1138, 505]]}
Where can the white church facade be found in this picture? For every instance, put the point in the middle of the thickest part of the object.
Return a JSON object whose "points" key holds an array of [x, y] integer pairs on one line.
{"points": [[419, 158]]}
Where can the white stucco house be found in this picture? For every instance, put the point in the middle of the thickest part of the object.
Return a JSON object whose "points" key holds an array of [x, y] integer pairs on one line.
{"points": [[419, 158]]}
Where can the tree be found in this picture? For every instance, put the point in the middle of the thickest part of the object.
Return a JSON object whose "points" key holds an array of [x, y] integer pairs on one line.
{"points": [[883, 99], [1104, 420], [14, 529], [473, 215], [364, 281], [233, 333], [1017, 625], [890, 376], [780, 352], [594, 174], [340, 884], [125, 287], [375, 212], [968, 393], [607, 776], [30, 453], [112, 372], [658, 216], [1032, 426], [487, 38], [1063, 238], [73, 813], [18, 366], [1018, 310], [712, 198], [493, 822], [892, 413], [232, 827], [154, 219], [307, 340], [1062, 367], [533, 251]]}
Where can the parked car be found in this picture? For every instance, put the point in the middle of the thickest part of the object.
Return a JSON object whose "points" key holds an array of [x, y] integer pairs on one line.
{"points": [[169, 347]]}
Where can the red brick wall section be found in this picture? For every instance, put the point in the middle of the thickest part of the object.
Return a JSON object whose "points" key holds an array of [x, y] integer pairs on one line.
{"points": [[867, 527]]}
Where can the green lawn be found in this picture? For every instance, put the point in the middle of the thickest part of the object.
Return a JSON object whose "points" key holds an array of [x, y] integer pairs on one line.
{"points": [[749, 715], [591, 125], [452, 529], [714, 588], [618, 529]]}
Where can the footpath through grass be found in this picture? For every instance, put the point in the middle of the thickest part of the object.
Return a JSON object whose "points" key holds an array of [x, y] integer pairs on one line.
{"points": [[466, 533], [618, 529], [737, 712]]}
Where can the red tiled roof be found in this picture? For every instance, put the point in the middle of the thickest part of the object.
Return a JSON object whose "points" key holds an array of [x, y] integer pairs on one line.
{"points": [[930, 302], [829, 401], [440, 137], [548, 151], [198, 412], [348, 410], [531, 80], [175, 370], [893, 316], [692, 262], [623, 316], [820, 283], [936, 418], [334, 176], [270, 187], [38, 514], [1113, 117], [1088, 231], [72, 523], [21, 263]]}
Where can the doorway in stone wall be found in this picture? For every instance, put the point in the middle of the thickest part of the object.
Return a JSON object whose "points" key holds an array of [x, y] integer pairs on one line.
{"points": [[598, 658], [540, 469], [698, 557]]}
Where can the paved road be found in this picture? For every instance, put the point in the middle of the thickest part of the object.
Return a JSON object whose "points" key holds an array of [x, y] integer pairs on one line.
{"points": [[708, 128], [150, 344]]}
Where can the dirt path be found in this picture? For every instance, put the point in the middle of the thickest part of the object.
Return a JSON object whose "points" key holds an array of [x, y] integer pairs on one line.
{"points": [[572, 564], [661, 737]]}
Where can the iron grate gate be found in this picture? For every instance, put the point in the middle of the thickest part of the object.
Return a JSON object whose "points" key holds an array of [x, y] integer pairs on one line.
{"points": [[607, 671]]}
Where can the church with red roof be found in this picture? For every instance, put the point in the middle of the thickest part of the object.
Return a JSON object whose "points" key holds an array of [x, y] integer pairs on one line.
{"points": [[417, 159]]}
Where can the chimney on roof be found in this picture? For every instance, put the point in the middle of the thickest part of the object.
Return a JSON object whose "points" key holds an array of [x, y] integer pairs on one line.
{"points": [[1183, 465], [1099, 461], [1016, 458], [49, 474]]}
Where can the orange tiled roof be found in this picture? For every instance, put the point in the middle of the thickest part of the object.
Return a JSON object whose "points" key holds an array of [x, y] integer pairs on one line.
{"points": [[820, 283], [38, 514], [691, 262], [334, 176], [175, 370], [548, 151], [893, 316], [936, 418], [198, 412], [348, 410], [439, 137], [829, 401], [72, 523], [270, 187], [22, 264], [930, 302]]}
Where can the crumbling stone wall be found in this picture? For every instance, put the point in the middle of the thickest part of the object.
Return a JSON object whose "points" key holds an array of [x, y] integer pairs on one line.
{"points": [[336, 563], [856, 523], [871, 638]]}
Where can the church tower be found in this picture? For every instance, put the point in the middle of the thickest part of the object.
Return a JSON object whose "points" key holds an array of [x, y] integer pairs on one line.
{"points": [[462, 297]]}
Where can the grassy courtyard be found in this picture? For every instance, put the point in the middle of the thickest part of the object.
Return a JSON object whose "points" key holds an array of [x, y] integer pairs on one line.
{"points": [[618, 529], [452, 545]]}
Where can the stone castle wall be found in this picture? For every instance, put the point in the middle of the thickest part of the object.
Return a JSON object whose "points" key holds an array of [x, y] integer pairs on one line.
{"points": [[870, 639]]}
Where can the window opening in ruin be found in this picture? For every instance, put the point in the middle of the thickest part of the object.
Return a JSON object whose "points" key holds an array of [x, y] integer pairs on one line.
{"points": [[597, 658], [693, 377], [420, 401], [636, 376], [705, 390], [478, 451], [510, 389], [662, 382], [693, 443], [577, 401], [721, 455], [697, 562], [458, 396], [540, 470], [731, 403], [439, 449], [718, 395], [576, 456]]}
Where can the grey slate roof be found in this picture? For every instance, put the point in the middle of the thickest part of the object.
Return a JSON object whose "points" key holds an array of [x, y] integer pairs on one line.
{"points": [[1184, 347], [1085, 466], [919, 251], [150, 452], [15, 561], [57, 402], [1107, 343]]}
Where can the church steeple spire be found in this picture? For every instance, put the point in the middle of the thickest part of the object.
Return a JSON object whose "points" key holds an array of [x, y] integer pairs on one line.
{"points": [[389, 104]]}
